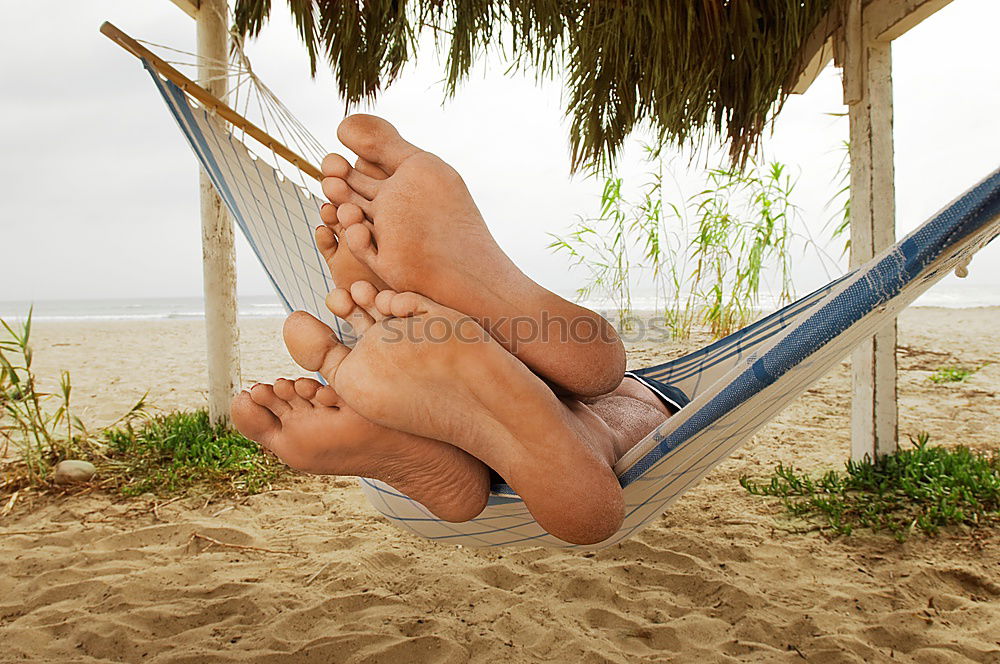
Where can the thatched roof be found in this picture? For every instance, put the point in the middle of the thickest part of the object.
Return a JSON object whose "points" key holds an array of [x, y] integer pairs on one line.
{"points": [[689, 68]]}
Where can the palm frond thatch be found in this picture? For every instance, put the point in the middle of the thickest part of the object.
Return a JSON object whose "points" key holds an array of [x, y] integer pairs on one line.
{"points": [[689, 68]]}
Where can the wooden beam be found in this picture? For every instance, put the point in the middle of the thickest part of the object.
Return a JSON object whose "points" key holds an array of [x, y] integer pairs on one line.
{"points": [[886, 20], [190, 7], [890, 19], [208, 100], [868, 93], [855, 60]]}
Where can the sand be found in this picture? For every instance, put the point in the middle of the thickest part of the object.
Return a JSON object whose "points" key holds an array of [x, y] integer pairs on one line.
{"points": [[321, 578]]}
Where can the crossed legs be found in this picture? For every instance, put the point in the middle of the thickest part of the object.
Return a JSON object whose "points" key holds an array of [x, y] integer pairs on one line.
{"points": [[427, 399]]}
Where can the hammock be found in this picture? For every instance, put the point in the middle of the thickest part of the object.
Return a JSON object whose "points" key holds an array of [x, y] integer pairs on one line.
{"points": [[736, 384]]}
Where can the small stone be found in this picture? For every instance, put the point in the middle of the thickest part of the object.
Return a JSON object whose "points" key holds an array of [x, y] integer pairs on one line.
{"points": [[73, 472]]}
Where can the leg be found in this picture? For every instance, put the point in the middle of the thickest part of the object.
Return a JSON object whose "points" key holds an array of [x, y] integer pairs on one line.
{"points": [[418, 229], [434, 373]]}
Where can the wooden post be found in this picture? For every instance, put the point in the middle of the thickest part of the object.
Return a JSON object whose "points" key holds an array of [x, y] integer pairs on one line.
{"points": [[867, 67], [218, 249]]}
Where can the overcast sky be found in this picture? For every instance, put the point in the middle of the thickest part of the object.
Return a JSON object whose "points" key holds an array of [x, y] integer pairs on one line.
{"points": [[100, 190]]}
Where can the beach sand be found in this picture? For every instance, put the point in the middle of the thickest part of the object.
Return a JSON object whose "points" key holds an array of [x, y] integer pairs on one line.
{"points": [[719, 578]]}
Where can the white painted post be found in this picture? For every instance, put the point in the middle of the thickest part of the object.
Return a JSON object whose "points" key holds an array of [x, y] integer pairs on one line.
{"points": [[868, 93], [218, 249]]}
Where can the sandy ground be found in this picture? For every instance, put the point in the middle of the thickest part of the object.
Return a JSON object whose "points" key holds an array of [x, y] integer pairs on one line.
{"points": [[718, 578]]}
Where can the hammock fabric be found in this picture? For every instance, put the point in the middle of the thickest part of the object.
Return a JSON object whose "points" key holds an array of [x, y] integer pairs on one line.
{"points": [[737, 384]]}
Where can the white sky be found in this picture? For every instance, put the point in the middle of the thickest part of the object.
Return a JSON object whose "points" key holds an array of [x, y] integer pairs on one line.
{"points": [[99, 190]]}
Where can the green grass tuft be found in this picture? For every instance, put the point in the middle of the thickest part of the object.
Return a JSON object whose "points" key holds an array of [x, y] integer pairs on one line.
{"points": [[953, 374], [921, 489], [181, 452]]}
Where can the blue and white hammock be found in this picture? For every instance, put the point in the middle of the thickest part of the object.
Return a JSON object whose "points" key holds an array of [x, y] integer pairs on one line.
{"points": [[736, 384]]}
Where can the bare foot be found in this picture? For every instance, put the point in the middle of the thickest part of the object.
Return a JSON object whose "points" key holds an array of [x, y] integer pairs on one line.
{"points": [[310, 428], [433, 372], [419, 230]]}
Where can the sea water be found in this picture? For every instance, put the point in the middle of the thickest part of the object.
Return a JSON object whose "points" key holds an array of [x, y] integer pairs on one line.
{"points": [[266, 306]]}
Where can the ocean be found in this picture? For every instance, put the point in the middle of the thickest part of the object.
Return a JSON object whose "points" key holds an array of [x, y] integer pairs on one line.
{"points": [[158, 308], [266, 306]]}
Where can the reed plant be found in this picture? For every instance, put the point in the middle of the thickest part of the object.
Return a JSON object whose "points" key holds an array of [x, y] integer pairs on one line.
{"points": [[41, 426], [602, 246], [705, 254], [840, 202]]}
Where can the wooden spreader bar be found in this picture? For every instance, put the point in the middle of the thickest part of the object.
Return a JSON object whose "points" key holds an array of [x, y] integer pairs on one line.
{"points": [[208, 100]]}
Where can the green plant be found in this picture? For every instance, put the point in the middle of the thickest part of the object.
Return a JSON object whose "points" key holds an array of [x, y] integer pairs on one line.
{"points": [[743, 223], [923, 488], [952, 374], [705, 255], [135, 454], [41, 435], [182, 451], [40, 425]]}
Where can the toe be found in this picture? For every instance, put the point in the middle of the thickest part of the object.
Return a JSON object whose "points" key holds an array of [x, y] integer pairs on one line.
{"points": [[307, 387], [264, 395], [327, 396], [326, 242], [328, 213], [383, 302], [371, 170], [285, 390], [253, 420], [313, 345], [341, 304], [362, 184], [339, 193], [344, 267], [349, 214], [364, 293], [403, 305], [360, 241], [375, 140], [333, 165]]}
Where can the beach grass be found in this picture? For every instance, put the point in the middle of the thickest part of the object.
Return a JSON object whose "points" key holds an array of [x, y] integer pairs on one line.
{"points": [[183, 452], [920, 489]]}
